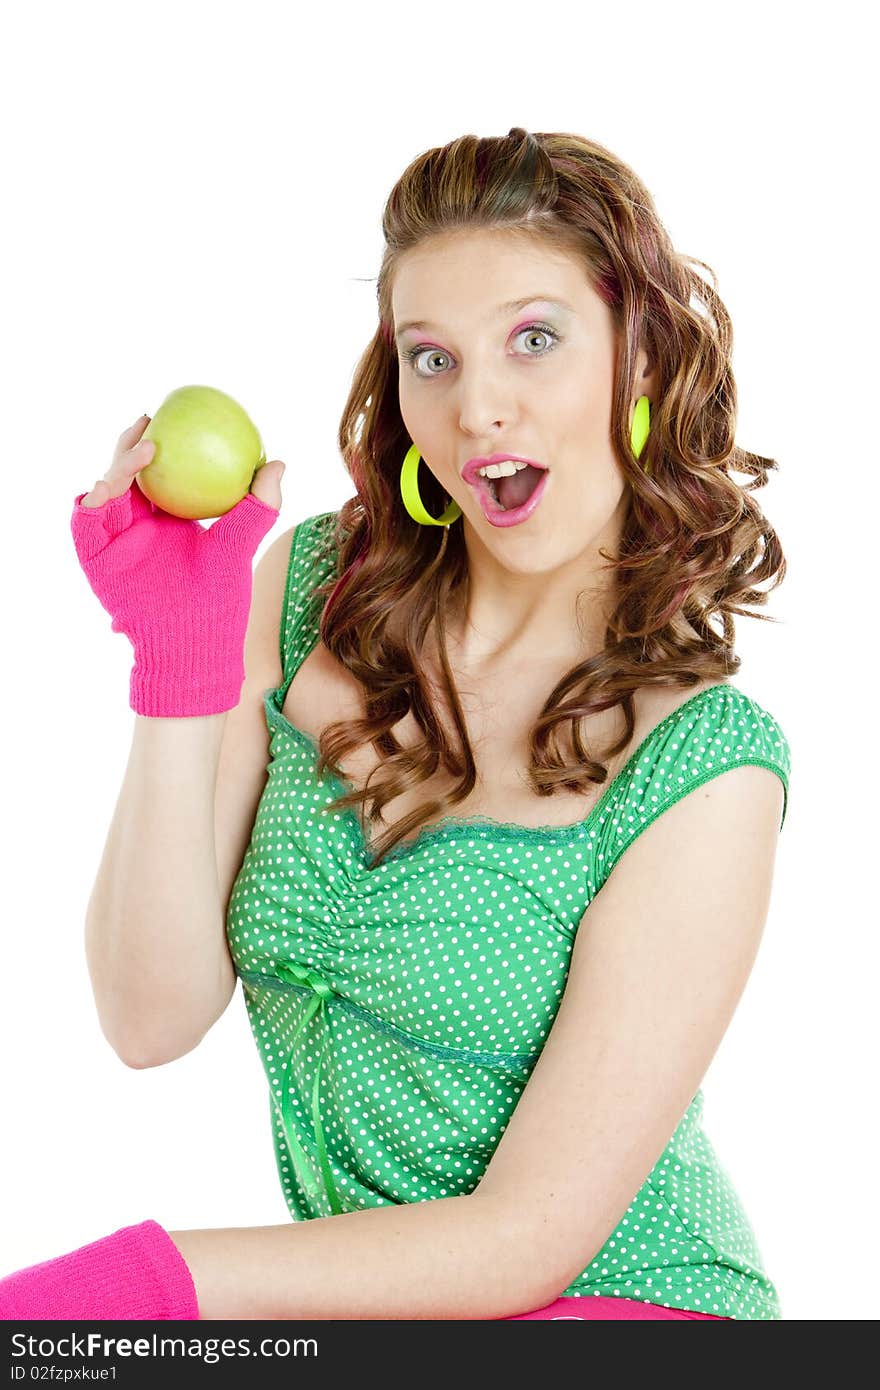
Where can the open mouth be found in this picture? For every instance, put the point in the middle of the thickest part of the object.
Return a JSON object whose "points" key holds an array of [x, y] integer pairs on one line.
{"points": [[510, 493], [512, 500]]}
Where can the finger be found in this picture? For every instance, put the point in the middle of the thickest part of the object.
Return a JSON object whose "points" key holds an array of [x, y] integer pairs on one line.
{"points": [[120, 473], [129, 438], [266, 483], [105, 521], [98, 495], [138, 457], [134, 431], [244, 525]]}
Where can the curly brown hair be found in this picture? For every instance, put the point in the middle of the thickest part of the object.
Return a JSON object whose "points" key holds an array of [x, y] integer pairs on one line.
{"points": [[694, 543]]}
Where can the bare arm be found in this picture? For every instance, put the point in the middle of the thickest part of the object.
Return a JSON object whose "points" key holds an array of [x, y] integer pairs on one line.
{"points": [[452, 1258], [155, 924], [154, 942]]}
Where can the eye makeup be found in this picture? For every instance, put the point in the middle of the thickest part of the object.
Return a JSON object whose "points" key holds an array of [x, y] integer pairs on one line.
{"points": [[558, 305], [409, 355]]}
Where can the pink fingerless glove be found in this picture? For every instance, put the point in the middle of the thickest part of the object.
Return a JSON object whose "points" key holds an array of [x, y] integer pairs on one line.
{"points": [[180, 591], [136, 1273]]}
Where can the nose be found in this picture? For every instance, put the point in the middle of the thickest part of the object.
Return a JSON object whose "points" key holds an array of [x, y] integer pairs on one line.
{"points": [[483, 424], [485, 402]]}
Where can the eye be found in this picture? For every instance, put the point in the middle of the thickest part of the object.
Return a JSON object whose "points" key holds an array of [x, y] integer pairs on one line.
{"points": [[411, 355]]}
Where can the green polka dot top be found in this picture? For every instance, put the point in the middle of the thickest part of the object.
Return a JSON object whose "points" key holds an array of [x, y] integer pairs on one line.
{"points": [[399, 1010]]}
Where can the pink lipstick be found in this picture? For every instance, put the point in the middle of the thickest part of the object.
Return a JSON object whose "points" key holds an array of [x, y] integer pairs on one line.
{"points": [[494, 512]]}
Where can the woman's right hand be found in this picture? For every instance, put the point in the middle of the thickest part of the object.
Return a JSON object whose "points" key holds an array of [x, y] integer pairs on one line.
{"points": [[179, 590], [133, 453]]}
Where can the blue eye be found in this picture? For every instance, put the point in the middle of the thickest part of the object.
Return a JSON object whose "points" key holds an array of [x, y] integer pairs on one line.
{"points": [[411, 355]]}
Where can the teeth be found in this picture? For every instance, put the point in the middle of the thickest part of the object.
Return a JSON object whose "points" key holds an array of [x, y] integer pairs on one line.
{"points": [[502, 470]]}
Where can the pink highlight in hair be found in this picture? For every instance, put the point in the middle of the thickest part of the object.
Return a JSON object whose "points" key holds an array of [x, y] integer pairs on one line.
{"points": [[349, 574], [607, 288], [342, 581]]}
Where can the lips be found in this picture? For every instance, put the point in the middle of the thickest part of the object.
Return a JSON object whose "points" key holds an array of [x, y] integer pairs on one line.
{"points": [[470, 472], [498, 516]]}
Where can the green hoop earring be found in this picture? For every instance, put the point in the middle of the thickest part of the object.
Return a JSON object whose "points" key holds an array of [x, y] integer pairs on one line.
{"points": [[409, 473], [641, 424], [409, 491]]}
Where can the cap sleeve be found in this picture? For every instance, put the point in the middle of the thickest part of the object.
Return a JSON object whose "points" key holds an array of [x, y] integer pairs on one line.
{"points": [[702, 740]]}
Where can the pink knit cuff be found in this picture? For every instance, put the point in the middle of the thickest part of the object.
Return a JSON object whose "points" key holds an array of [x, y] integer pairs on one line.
{"points": [[136, 1273], [173, 1284]]}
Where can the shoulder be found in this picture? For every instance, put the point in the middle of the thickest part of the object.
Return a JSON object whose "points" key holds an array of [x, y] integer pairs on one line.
{"points": [[718, 719], [284, 564], [710, 785], [293, 554], [290, 573], [717, 729]]}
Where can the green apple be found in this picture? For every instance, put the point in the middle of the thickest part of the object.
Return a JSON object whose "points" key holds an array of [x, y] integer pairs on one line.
{"points": [[207, 452]]}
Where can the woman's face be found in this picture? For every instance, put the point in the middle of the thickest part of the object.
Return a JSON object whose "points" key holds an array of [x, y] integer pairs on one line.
{"points": [[534, 381]]}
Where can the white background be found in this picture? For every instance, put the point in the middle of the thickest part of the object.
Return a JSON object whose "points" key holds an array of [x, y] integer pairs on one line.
{"points": [[193, 193]]}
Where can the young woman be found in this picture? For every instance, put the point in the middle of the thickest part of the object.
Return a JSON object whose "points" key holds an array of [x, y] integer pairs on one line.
{"points": [[478, 817]]}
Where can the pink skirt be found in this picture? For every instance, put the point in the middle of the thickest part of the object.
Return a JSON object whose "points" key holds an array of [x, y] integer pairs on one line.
{"points": [[603, 1309]]}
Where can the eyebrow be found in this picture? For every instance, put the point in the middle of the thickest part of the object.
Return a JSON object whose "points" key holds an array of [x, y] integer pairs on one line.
{"points": [[509, 308]]}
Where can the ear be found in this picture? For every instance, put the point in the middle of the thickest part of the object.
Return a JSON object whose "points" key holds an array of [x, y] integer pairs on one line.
{"points": [[646, 375]]}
